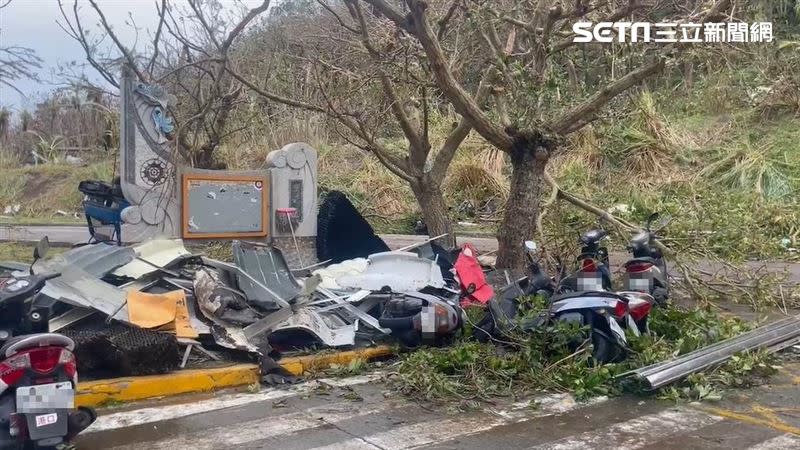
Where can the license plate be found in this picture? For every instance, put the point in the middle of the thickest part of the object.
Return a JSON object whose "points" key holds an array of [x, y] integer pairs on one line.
{"points": [[46, 419], [590, 282], [45, 397], [639, 282]]}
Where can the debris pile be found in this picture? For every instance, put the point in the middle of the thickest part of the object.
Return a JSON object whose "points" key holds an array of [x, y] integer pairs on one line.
{"points": [[131, 309]]}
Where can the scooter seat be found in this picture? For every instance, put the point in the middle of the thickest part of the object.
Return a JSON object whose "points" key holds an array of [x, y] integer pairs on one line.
{"points": [[577, 294], [17, 344], [643, 259], [593, 236]]}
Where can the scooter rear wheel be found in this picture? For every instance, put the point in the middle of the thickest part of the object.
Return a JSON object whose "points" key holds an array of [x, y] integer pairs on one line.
{"points": [[604, 349]]}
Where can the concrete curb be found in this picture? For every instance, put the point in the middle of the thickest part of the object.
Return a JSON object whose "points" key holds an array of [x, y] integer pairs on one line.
{"points": [[103, 392]]}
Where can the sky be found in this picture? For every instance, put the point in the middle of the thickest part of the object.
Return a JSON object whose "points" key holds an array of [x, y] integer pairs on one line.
{"points": [[33, 24]]}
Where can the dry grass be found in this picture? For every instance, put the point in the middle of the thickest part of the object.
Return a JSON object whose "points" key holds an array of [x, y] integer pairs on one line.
{"points": [[647, 146], [763, 169], [783, 97]]}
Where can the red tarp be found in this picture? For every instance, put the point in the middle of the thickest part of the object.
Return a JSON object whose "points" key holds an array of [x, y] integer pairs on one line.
{"points": [[469, 271]]}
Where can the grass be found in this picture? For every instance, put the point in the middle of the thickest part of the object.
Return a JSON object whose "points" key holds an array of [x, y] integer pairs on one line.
{"points": [[22, 252], [43, 190], [470, 372]]}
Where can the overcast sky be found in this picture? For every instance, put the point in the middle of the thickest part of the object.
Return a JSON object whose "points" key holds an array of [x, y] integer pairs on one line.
{"points": [[32, 23]]}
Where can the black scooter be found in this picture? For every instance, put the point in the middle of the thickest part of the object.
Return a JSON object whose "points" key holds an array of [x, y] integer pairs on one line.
{"points": [[593, 272], [606, 314], [647, 270]]}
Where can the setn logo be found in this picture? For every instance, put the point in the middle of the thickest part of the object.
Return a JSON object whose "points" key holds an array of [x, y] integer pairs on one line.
{"points": [[687, 32]]}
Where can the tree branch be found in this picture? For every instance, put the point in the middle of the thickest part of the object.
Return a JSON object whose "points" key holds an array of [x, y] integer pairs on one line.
{"points": [[120, 46], [252, 14], [417, 23], [582, 114], [162, 13], [76, 32], [337, 17], [418, 149], [448, 150]]}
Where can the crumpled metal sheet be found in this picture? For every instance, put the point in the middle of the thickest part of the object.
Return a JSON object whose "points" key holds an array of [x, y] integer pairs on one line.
{"points": [[225, 334], [80, 288], [331, 332], [157, 252], [400, 271], [258, 294], [266, 265], [80, 285], [95, 260]]}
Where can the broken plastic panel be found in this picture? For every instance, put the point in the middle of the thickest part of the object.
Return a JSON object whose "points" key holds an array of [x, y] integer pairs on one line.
{"points": [[399, 271]]}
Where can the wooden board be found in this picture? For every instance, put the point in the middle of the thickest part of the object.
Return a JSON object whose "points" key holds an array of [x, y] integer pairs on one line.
{"points": [[225, 205]]}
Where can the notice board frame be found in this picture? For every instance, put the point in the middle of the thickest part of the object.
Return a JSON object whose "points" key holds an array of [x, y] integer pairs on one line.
{"points": [[188, 177]]}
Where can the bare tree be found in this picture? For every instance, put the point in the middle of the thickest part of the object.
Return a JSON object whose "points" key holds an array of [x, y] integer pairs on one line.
{"points": [[188, 55], [377, 89], [538, 32], [17, 63]]}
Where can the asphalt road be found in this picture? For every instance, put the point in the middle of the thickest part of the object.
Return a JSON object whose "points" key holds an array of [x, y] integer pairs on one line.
{"points": [[363, 413], [72, 234]]}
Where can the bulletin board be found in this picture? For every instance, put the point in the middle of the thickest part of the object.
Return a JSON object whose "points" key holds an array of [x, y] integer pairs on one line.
{"points": [[224, 205]]}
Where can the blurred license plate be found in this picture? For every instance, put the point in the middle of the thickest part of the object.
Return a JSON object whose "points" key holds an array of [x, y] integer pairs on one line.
{"points": [[45, 397], [640, 282], [590, 281]]}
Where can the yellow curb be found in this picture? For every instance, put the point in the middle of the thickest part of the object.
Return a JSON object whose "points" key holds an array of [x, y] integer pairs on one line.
{"points": [[102, 392], [298, 365]]}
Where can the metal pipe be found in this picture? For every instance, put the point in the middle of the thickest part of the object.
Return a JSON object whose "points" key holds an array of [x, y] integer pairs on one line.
{"points": [[420, 244], [713, 347], [770, 336]]}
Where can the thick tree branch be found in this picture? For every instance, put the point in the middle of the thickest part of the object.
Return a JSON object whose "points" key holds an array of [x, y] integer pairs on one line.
{"points": [[416, 22], [448, 150], [580, 115], [418, 149]]}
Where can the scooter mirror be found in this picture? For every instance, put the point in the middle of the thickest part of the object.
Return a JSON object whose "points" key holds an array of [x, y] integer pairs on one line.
{"points": [[530, 246], [41, 249], [471, 288], [650, 219]]}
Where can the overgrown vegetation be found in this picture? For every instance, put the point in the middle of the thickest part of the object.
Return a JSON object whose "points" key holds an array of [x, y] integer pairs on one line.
{"points": [[471, 372]]}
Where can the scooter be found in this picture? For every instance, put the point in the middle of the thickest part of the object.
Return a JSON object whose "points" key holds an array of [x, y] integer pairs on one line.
{"points": [[38, 373], [606, 314], [593, 273], [647, 270]]}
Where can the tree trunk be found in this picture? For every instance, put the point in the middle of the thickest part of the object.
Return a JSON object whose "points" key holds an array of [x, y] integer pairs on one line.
{"points": [[522, 209], [434, 210]]}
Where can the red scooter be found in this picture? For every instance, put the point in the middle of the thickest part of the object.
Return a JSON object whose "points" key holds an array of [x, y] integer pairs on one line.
{"points": [[38, 373]]}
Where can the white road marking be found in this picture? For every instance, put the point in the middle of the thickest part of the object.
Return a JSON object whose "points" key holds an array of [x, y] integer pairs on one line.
{"points": [[635, 433], [168, 412], [784, 442], [266, 428], [437, 431]]}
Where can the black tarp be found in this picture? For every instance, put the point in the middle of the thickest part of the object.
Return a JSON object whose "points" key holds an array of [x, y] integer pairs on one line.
{"points": [[343, 233]]}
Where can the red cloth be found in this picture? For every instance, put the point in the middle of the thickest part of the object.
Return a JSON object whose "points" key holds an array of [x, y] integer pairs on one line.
{"points": [[469, 271]]}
